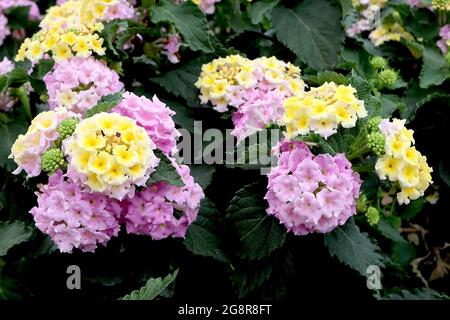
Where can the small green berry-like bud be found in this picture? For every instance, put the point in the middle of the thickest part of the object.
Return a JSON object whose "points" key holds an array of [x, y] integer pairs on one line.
{"points": [[373, 216], [372, 124], [376, 141], [378, 63], [52, 160], [387, 77], [67, 127], [361, 203]]}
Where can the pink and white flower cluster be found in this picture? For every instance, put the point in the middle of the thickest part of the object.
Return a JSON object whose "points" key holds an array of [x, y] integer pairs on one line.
{"points": [[6, 100], [121, 9], [74, 217], [33, 14], [78, 83], [153, 210], [29, 147], [369, 12], [443, 42], [311, 193], [155, 117]]}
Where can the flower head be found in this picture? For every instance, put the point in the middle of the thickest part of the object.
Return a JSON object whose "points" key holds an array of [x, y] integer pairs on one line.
{"points": [[402, 162], [310, 193], [74, 217], [111, 154], [322, 110]]}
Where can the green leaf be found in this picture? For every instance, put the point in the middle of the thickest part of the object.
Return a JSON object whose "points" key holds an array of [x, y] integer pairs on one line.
{"points": [[40, 70], [153, 288], [109, 33], [189, 21], [165, 171], [353, 248], [403, 253], [257, 234], [9, 289], [260, 9], [416, 97], [202, 238], [444, 171], [416, 294], [435, 69], [16, 78], [11, 234], [203, 174], [312, 30], [326, 76], [105, 104], [389, 227], [412, 209], [9, 135], [180, 82], [389, 104], [18, 17], [364, 92]]}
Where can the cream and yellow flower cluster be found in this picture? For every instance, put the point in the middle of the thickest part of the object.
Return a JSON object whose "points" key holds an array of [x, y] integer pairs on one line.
{"points": [[389, 32], [227, 81], [402, 162], [70, 29], [322, 110], [111, 154]]}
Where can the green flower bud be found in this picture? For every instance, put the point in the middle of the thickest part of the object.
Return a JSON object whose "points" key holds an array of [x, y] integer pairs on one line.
{"points": [[52, 160], [378, 63], [373, 216], [376, 141], [67, 127], [361, 203], [372, 124], [387, 77]]}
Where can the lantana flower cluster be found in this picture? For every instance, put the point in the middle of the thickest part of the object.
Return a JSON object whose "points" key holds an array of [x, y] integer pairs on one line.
{"points": [[106, 157], [389, 32], [254, 89], [153, 210], [78, 84], [28, 149], [444, 41], [309, 193], [72, 29], [321, 110], [402, 162], [74, 217], [111, 154], [6, 100], [154, 116], [368, 12], [33, 14], [207, 6]]}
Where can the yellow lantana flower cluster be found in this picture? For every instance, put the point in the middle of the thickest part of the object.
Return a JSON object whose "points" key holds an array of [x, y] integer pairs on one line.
{"points": [[402, 162], [67, 30], [111, 154], [389, 32], [223, 81], [322, 110]]}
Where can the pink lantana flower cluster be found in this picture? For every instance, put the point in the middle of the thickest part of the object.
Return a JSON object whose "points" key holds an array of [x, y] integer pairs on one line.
{"points": [[121, 9], [443, 42], [33, 14], [171, 46], [311, 193], [78, 83], [155, 117], [6, 100], [73, 216], [162, 210]]}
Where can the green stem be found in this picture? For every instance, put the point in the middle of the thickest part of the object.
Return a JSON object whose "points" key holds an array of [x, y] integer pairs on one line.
{"points": [[358, 153]]}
